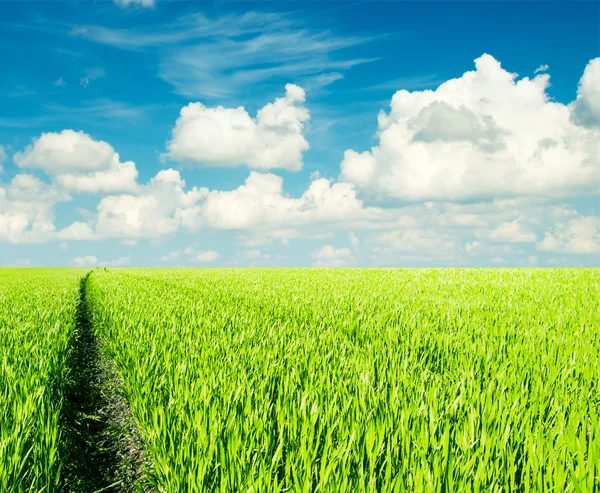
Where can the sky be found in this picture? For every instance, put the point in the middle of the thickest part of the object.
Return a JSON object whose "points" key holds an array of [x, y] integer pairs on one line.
{"points": [[300, 134]]}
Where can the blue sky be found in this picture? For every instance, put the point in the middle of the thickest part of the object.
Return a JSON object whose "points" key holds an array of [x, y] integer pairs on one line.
{"points": [[300, 134]]}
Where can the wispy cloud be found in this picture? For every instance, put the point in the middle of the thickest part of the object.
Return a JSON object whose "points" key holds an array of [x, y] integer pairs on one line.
{"points": [[408, 83], [136, 3], [91, 75], [220, 57], [67, 52], [88, 112], [20, 92], [99, 108], [26, 122], [185, 28]]}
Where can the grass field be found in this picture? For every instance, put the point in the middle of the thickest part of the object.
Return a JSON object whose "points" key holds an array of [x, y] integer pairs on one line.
{"points": [[37, 321], [320, 380]]}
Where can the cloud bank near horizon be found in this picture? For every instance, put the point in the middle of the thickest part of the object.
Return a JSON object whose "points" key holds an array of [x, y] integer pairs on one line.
{"points": [[482, 164]]}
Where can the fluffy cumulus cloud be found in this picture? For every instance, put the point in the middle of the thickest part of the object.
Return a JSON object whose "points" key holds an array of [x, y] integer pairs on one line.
{"points": [[586, 108], [441, 157], [231, 137], [191, 254], [328, 256], [258, 207], [76, 231], [578, 235], [85, 261], [484, 134], [158, 209], [78, 163], [207, 256], [262, 202], [27, 209], [471, 248], [512, 232], [164, 205]]}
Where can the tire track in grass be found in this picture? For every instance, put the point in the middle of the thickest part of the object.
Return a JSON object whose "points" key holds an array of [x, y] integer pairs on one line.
{"points": [[102, 449]]}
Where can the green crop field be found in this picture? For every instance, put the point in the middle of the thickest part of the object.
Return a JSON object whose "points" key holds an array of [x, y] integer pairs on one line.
{"points": [[37, 321], [339, 380]]}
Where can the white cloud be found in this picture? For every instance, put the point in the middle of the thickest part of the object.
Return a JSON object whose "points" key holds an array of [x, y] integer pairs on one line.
{"points": [[120, 177], [260, 202], [65, 152], [267, 238], [207, 257], [231, 137], [542, 68], [76, 231], [192, 254], [255, 256], [421, 241], [163, 206], [59, 82], [532, 260], [92, 260], [328, 256], [87, 80], [19, 262], [90, 76], [2, 157], [358, 168], [328, 252], [483, 134], [462, 219], [79, 163], [171, 256], [556, 261], [252, 254], [498, 260], [87, 261], [120, 262], [262, 214], [27, 209], [586, 108], [512, 232], [471, 248], [234, 54], [158, 209], [579, 235], [137, 3]]}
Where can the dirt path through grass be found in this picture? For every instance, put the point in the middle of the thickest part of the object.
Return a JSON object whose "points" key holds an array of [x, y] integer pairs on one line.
{"points": [[102, 449]]}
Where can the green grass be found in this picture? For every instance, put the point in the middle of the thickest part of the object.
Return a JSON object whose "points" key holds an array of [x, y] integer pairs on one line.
{"points": [[302, 380], [37, 317], [359, 380]]}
